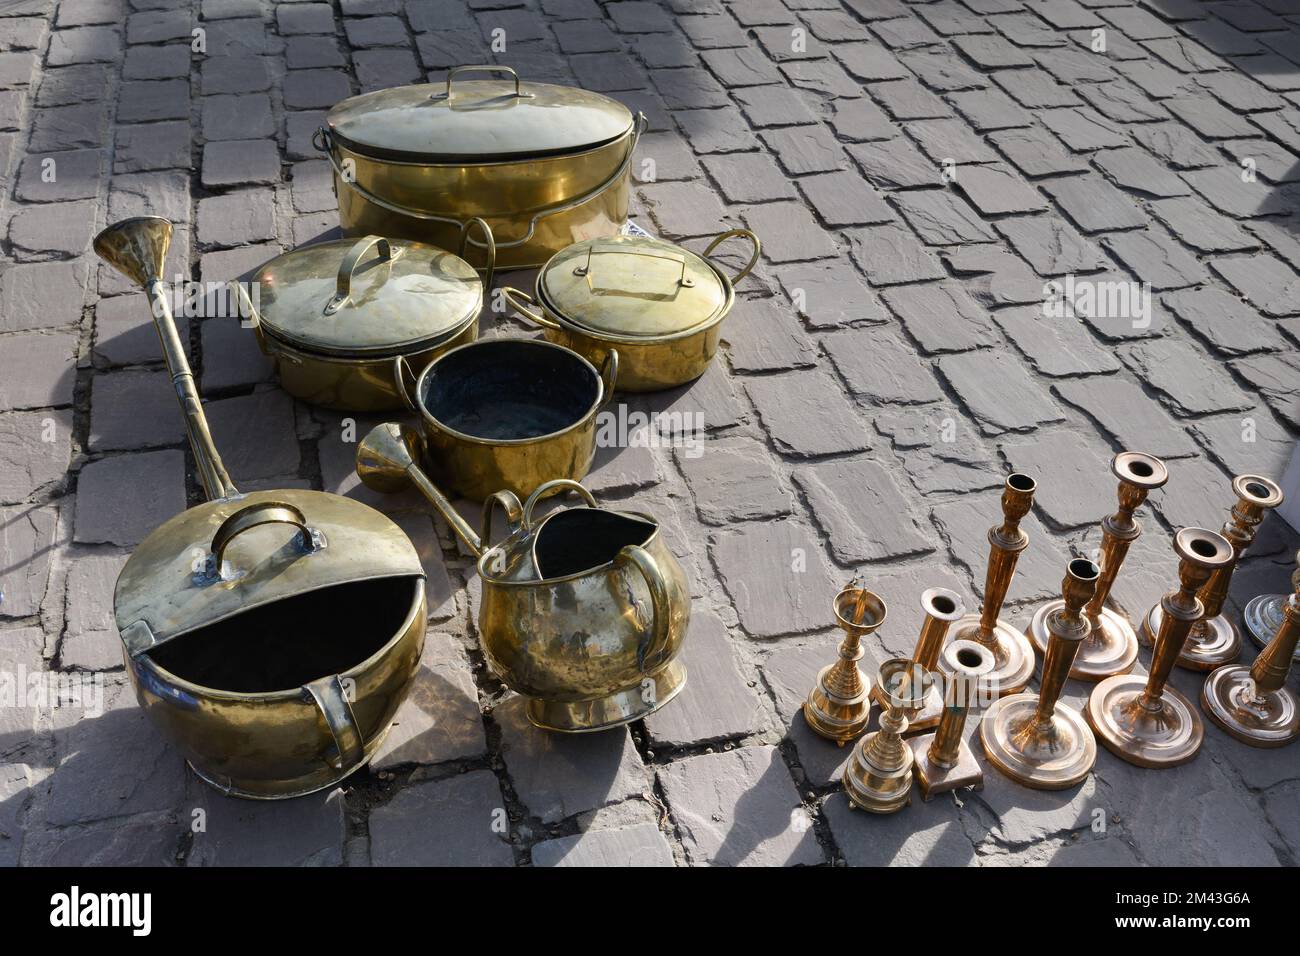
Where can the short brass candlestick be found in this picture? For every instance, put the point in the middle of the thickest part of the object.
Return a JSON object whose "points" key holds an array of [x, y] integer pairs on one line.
{"points": [[1146, 722], [1214, 639], [941, 608], [1264, 613], [943, 760], [838, 707], [878, 777], [1012, 652], [1112, 646], [1033, 738], [1254, 704]]}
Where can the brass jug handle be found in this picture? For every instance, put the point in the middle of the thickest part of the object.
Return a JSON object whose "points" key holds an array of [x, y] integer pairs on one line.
{"points": [[738, 234], [488, 241], [609, 376], [331, 699], [514, 512], [653, 647], [343, 284], [516, 299], [252, 516], [481, 68], [549, 486]]}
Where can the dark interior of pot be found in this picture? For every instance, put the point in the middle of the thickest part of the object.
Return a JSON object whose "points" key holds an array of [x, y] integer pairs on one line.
{"points": [[583, 538], [509, 389], [289, 643]]}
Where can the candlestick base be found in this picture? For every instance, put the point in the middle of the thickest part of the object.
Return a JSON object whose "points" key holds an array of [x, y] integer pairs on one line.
{"points": [[1212, 642], [927, 718], [933, 779], [1110, 649], [1166, 736], [1013, 657], [1051, 756], [878, 789], [1271, 719], [1263, 616], [836, 717]]}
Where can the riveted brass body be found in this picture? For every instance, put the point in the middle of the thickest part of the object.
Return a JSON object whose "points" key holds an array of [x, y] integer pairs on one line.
{"points": [[1011, 649], [1214, 639], [1263, 613], [837, 707], [941, 607], [1033, 738], [878, 776], [943, 759], [1112, 645], [1145, 721]]}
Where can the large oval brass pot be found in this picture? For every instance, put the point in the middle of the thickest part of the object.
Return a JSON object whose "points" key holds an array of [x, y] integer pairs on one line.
{"points": [[544, 165], [508, 414], [660, 306]]}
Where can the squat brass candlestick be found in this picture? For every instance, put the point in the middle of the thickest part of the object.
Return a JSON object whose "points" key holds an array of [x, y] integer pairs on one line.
{"points": [[941, 608], [1264, 613], [1146, 722], [1214, 639], [1012, 652], [1112, 646], [1033, 738], [838, 707], [943, 760], [1254, 704], [878, 777]]}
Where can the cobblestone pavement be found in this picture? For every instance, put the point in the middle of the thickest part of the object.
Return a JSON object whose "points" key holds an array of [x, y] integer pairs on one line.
{"points": [[917, 171]]}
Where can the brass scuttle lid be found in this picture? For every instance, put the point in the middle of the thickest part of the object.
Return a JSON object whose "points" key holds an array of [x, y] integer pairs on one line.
{"points": [[633, 286], [272, 545], [366, 297]]}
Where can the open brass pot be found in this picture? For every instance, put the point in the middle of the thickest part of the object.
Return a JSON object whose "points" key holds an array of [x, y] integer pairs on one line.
{"points": [[582, 611], [335, 315], [545, 165], [508, 414], [273, 635], [661, 306]]}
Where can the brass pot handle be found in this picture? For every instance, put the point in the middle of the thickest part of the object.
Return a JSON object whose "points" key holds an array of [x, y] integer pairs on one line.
{"points": [[656, 644], [608, 376], [489, 241], [252, 516], [401, 372], [734, 234], [343, 285], [331, 699], [517, 298], [514, 512], [481, 68], [541, 490]]}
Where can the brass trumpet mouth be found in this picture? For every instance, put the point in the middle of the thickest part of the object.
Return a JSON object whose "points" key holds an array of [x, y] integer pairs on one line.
{"points": [[136, 247]]}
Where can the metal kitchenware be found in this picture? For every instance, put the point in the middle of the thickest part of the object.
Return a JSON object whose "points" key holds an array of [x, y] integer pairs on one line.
{"points": [[271, 636], [582, 611], [335, 315], [508, 414], [661, 306], [544, 165]]}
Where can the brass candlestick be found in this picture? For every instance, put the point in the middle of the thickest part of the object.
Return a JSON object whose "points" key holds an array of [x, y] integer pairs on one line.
{"points": [[1264, 613], [1032, 738], [838, 707], [943, 761], [1254, 704], [1214, 639], [878, 777], [941, 608], [1147, 722], [1112, 645], [1012, 652]]}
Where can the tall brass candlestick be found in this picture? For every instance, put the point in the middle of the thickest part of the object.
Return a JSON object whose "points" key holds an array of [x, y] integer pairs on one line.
{"points": [[878, 777], [1264, 613], [1033, 738], [838, 707], [1214, 639], [1112, 645], [941, 607], [1012, 652], [943, 761], [1147, 722]]}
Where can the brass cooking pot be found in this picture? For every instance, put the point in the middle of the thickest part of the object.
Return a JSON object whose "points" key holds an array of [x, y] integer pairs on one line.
{"points": [[334, 315], [661, 306], [545, 165], [270, 636], [582, 611], [508, 414]]}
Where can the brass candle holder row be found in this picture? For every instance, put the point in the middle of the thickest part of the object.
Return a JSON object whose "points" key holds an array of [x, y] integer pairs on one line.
{"points": [[1034, 738]]}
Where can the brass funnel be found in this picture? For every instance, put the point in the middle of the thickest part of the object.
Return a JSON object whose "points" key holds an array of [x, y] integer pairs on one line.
{"points": [[385, 455], [136, 247]]}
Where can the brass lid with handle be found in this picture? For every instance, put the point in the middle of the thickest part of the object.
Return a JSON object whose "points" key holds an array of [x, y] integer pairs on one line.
{"points": [[639, 286], [474, 121]]}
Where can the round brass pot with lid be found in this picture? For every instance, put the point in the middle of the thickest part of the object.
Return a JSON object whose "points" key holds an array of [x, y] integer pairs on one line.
{"points": [[545, 165], [661, 306], [336, 315]]}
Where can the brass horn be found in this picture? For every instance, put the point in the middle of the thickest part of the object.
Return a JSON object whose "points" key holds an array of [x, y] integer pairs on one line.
{"points": [[137, 248]]}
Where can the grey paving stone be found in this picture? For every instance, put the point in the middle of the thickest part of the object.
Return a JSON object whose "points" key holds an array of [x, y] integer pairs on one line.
{"points": [[807, 415], [29, 539], [304, 18], [24, 725], [88, 44], [70, 85], [1283, 126], [890, 254], [235, 162], [772, 339], [1055, 346], [152, 146], [1124, 412], [1155, 258], [1199, 226], [53, 177], [992, 52], [1093, 204], [37, 370], [710, 32], [150, 839], [704, 794], [35, 450], [1225, 190], [90, 638], [47, 229], [256, 435], [42, 295], [454, 822], [994, 277], [134, 408], [865, 514], [950, 141], [684, 209], [1123, 102], [908, 100], [951, 18], [1271, 162], [941, 316], [749, 177], [860, 120], [870, 62], [164, 192], [1176, 145], [122, 498], [830, 294], [1137, 171], [998, 392], [1035, 153], [789, 232], [1230, 325], [309, 831], [716, 131], [925, 834], [1210, 119], [880, 367], [686, 88], [995, 190], [157, 63], [1051, 246], [940, 69], [143, 101], [1263, 281], [942, 219], [1275, 378], [943, 452], [1084, 130], [237, 218], [741, 67], [1075, 66], [124, 332], [842, 198], [375, 70], [895, 163], [1156, 79], [242, 116], [804, 149], [1035, 90], [767, 106], [671, 156], [316, 52], [236, 74], [989, 109], [640, 845]]}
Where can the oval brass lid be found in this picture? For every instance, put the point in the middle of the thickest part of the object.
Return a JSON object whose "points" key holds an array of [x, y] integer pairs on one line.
{"points": [[633, 286], [366, 296], [171, 585], [476, 121]]}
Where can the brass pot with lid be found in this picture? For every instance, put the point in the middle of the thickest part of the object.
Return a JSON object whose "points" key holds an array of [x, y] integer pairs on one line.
{"points": [[659, 305], [336, 316]]}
